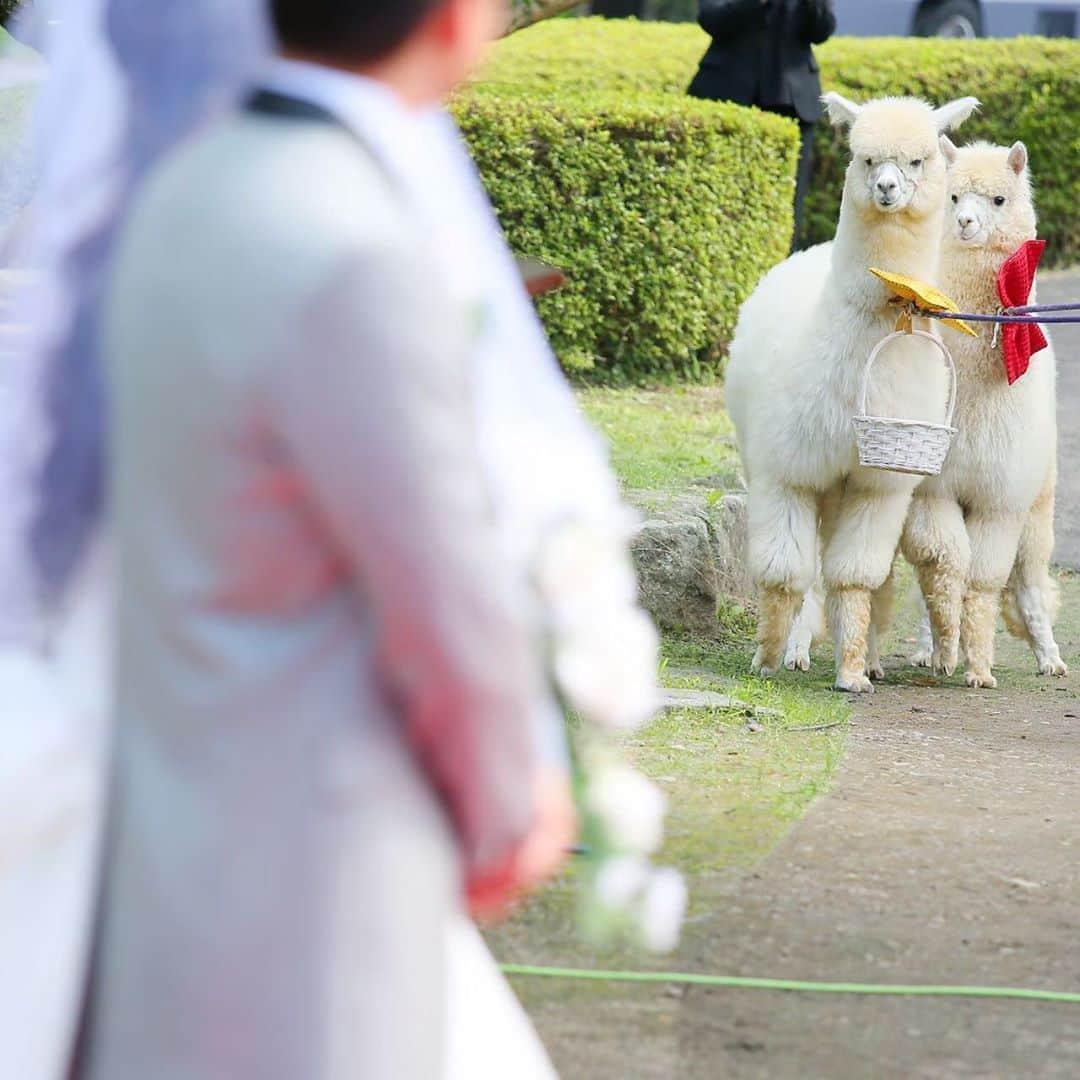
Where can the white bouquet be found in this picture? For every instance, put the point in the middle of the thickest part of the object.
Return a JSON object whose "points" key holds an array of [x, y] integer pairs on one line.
{"points": [[605, 654]]}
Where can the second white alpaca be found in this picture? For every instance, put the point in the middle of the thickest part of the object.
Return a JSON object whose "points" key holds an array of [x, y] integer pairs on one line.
{"points": [[794, 376], [988, 519]]}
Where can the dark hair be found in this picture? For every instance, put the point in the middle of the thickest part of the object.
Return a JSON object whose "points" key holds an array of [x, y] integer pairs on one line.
{"points": [[360, 31]]}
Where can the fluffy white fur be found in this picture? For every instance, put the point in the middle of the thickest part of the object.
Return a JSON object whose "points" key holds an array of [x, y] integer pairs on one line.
{"points": [[794, 376], [988, 520]]}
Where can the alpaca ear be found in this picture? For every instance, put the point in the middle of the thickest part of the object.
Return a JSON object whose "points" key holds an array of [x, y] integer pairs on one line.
{"points": [[953, 114], [948, 149], [842, 113], [1018, 158]]}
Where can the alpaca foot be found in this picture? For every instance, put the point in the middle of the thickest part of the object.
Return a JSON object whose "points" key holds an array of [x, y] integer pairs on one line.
{"points": [[798, 657], [980, 680], [1053, 665], [874, 670], [923, 656], [761, 664], [943, 662], [854, 684]]}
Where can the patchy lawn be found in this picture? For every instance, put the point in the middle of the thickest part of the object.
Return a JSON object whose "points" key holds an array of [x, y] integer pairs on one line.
{"points": [[736, 779], [667, 439]]}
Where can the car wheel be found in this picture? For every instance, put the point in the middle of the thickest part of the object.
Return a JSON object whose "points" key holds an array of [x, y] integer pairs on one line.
{"points": [[950, 19]]}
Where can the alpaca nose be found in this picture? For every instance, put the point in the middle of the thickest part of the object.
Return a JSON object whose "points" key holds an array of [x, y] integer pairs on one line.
{"points": [[965, 221], [889, 188]]}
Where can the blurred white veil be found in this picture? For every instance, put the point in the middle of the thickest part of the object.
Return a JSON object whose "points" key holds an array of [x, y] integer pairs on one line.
{"points": [[127, 80], [122, 82]]}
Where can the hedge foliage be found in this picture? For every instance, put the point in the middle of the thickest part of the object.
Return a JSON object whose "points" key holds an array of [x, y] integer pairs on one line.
{"points": [[1029, 88], [664, 211]]}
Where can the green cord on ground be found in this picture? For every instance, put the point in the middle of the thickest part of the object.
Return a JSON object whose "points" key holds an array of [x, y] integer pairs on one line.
{"points": [[745, 983]]}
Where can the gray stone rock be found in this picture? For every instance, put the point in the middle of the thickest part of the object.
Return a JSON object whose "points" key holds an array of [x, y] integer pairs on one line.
{"points": [[731, 539], [710, 699], [699, 699], [677, 573], [690, 551]]}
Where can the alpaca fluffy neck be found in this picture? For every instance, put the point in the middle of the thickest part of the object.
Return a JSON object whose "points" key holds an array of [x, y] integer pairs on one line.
{"points": [[969, 276], [901, 243]]}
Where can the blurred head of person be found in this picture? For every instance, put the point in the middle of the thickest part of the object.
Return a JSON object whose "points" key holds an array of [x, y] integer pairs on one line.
{"points": [[420, 48]]}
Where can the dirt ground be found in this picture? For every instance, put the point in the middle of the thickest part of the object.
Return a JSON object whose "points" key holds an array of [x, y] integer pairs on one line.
{"points": [[945, 852]]}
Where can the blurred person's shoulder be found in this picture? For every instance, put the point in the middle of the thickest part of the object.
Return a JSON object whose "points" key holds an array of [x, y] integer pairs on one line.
{"points": [[274, 191]]}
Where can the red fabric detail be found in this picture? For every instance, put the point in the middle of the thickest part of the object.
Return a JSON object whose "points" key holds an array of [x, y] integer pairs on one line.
{"points": [[1015, 280]]}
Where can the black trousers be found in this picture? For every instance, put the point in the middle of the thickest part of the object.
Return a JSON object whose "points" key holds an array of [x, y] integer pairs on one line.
{"points": [[806, 166]]}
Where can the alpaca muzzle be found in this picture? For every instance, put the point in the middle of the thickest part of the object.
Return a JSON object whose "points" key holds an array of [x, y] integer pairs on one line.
{"points": [[970, 219], [889, 187]]}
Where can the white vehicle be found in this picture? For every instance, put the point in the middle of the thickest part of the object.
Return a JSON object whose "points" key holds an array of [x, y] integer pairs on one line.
{"points": [[901, 18], [958, 18]]}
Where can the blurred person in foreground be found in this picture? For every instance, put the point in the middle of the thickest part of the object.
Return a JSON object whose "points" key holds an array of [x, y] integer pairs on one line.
{"points": [[328, 674], [761, 55]]}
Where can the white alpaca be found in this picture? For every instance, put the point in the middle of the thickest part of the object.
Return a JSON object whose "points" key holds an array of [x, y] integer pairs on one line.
{"points": [[794, 375], [988, 519]]}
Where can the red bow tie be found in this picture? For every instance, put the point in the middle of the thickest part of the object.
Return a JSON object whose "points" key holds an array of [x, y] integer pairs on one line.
{"points": [[1015, 280]]}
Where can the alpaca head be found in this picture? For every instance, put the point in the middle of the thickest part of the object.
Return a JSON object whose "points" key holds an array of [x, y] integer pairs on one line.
{"points": [[990, 199], [897, 167]]}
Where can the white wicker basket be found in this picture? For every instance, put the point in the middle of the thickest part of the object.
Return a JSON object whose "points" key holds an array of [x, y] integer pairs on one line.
{"points": [[905, 446]]}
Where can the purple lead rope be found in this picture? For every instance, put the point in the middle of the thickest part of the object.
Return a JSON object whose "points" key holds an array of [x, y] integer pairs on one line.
{"points": [[1018, 315]]}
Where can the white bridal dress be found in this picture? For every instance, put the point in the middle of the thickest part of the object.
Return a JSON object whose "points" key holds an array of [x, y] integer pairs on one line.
{"points": [[545, 468]]}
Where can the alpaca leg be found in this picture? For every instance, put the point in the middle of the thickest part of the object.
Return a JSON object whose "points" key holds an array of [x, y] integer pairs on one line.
{"points": [[775, 618], [923, 654], [935, 542], [857, 560], [783, 560], [977, 633], [994, 540], [809, 627], [924, 638], [881, 606], [849, 623], [1031, 597]]}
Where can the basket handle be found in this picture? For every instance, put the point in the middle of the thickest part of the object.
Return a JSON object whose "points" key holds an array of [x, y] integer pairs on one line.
{"points": [[951, 410]]}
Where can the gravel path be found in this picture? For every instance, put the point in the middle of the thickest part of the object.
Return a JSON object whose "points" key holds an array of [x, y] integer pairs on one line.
{"points": [[948, 851]]}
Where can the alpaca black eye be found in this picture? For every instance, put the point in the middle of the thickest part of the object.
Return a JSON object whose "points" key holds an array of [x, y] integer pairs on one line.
{"points": [[869, 162], [916, 163], [956, 198], [1000, 200]]}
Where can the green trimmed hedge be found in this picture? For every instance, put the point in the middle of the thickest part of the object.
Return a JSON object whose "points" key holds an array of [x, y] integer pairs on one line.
{"points": [[1029, 87], [664, 211]]}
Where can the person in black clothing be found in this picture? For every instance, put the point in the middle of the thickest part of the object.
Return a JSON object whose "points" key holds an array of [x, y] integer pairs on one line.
{"points": [[760, 55]]}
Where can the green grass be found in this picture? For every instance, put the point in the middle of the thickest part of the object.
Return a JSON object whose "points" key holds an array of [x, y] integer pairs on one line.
{"points": [[736, 781], [736, 786], [674, 438]]}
